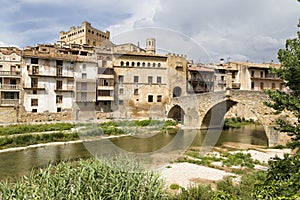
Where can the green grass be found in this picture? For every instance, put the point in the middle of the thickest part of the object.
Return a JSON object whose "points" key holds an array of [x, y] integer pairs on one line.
{"points": [[90, 179], [30, 139], [30, 128]]}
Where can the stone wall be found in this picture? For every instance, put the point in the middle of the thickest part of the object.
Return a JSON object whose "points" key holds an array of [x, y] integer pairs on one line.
{"points": [[45, 117], [8, 115]]}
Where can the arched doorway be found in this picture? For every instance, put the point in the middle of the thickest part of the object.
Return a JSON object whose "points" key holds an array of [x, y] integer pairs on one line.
{"points": [[176, 113]]}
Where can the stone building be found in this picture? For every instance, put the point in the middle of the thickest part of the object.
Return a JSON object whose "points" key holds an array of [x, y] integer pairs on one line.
{"points": [[48, 78], [248, 76], [84, 34], [200, 78], [10, 83], [145, 81]]}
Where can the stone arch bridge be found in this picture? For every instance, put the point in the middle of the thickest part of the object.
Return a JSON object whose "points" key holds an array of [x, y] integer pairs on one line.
{"points": [[207, 110]]}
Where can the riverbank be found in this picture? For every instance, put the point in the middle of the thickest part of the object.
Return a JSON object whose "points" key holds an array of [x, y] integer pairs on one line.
{"points": [[187, 174], [14, 136]]}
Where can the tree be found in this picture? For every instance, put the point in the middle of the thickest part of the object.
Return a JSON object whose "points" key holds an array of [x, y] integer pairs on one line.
{"points": [[288, 101], [283, 176]]}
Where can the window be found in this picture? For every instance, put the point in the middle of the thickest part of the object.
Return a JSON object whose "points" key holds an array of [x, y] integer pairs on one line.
{"points": [[261, 74], [261, 86], [34, 91], [1, 66], [252, 85], [121, 91], [122, 63], [138, 64], [158, 80], [58, 109], [273, 85], [149, 64], [150, 98], [153, 64], [58, 85], [83, 86], [34, 82], [150, 79], [34, 110], [84, 76], [59, 70], [159, 98], [34, 61], [121, 102], [35, 70], [158, 65], [252, 74], [132, 64], [83, 67], [136, 91], [143, 64], [34, 102], [127, 63], [59, 63], [59, 99], [121, 79], [135, 79]]}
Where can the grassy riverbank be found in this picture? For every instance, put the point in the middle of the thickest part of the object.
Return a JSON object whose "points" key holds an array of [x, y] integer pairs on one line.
{"points": [[98, 179], [27, 134]]}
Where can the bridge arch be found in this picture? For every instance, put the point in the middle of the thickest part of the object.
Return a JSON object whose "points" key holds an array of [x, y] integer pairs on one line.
{"points": [[203, 106], [176, 113], [214, 117]]}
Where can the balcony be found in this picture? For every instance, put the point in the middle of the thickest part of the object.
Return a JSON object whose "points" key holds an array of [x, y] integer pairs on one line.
{"points": [[35, 87], [102, 87], [105, 98], [9, 87], [106, 76], [9, 102], [10, 73]]}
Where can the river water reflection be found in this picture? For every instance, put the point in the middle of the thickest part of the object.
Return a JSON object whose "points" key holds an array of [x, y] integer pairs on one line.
{"points": [[160, 147]]}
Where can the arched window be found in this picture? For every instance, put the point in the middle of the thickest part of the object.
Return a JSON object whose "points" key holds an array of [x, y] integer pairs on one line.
{"points": [[122, 63], [132, 64], [159, 65], [149, 65], [127, 63], [153, 64], [177, 91], [144, 64], [138, 64]]}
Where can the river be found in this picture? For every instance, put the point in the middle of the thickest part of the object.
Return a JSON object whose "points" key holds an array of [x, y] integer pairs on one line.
{"points": [[159, 148]]}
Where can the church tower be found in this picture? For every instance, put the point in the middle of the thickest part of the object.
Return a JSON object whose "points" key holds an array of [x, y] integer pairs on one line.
{"points": [[150, 46]]}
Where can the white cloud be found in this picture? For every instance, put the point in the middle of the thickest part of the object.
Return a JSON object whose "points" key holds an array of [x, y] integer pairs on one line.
{"points": [[250, 30]]}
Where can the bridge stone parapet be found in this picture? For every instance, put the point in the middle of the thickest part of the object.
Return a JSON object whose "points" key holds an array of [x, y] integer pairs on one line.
{"points": [[207, 110]]}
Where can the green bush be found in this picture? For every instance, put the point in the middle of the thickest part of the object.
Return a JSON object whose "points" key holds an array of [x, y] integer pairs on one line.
{"points": [[282, 179], [91, 179]]}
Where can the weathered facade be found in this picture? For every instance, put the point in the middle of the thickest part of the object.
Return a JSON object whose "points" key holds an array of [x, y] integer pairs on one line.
{"points": [[248, 76], [48, 79], [200, 79], [10, 76], [84, 34]]}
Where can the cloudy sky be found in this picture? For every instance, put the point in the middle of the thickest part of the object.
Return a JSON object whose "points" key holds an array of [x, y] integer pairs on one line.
{"points": [[205, 30]]}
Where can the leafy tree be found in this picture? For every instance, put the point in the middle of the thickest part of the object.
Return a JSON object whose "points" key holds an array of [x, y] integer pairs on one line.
{"points": [[283, 177], [288, 101]]}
